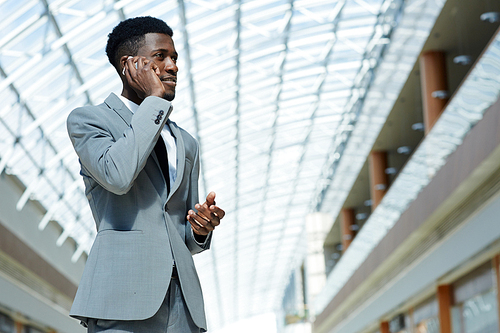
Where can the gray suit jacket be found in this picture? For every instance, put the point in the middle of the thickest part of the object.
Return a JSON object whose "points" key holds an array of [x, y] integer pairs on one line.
{"points": [[140, 229]]}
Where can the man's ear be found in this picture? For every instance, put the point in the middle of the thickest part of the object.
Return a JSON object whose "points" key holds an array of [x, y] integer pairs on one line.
{"points": [[123, 60]]}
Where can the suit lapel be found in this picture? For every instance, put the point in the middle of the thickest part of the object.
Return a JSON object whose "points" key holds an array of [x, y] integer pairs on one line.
{"points": [[115, 103], [181, 157]]}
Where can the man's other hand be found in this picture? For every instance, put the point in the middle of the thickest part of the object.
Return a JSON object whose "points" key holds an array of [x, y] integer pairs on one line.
{"points": [[207, 217]]}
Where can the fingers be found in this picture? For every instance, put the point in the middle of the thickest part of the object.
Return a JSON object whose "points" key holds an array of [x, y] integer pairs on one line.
{"points": [[209, 210], [217, 211], [200, 225], [211, 214], [142, 76], [130, 69], [211, 199], [134, 64], [137, 63], [130, 64], [210, 203], [155, 68]]}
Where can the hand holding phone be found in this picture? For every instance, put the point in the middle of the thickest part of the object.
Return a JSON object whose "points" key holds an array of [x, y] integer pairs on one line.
{"points": [[142, 76]]}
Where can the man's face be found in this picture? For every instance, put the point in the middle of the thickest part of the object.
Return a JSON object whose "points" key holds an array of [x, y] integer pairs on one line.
{"points": [[160, 49]]}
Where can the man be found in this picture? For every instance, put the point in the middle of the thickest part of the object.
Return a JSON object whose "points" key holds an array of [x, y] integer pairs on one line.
{"points": [[141, 179]]}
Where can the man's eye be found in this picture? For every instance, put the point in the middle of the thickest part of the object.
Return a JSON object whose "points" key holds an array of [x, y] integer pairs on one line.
{"points": [[159, 55]]}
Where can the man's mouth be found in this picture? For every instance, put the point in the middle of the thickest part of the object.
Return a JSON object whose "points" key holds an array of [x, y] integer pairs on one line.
{"points": [[169, 79]]}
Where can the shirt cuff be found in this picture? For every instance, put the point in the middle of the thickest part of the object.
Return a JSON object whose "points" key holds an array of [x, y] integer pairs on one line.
{"points": [[199, 239]]}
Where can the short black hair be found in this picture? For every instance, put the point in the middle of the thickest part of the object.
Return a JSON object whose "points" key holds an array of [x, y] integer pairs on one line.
{"points": [[129, 36]]}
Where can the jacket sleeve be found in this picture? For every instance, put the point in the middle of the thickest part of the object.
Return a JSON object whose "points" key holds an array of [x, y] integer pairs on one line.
{"points": [[193, 199], [115, 163]]}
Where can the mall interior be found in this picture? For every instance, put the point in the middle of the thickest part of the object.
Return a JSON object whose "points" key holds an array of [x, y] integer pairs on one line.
{"points": [[354, 144]]}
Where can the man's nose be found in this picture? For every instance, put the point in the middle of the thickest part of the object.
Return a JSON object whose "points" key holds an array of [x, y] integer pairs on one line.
{"points": [[170, 65]]}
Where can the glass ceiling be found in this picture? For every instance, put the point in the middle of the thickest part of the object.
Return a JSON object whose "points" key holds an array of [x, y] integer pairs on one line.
{"points": [[269, 88]]}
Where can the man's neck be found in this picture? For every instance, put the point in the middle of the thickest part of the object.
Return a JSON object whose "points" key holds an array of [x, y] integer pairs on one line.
{"points": [[131, 95]]}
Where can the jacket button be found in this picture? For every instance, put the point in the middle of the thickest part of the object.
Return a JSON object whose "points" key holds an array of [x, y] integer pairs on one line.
{"points": [[157, 122]]}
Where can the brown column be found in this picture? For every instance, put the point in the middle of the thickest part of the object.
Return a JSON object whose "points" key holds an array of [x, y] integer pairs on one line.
{"points": [[19, 327], [378, 177], [412, 320], [346, 221], [384, 327], [496, 267], [433, 78], [444, 297]]}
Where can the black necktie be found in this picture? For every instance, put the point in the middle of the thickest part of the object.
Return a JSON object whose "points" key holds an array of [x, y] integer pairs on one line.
{"points": [[161, 154]]}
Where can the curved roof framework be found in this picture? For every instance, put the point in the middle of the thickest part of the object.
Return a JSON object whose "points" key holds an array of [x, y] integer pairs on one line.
{"points": [[270, 88]]}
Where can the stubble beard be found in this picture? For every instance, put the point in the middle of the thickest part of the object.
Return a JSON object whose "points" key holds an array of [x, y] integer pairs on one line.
{"points": [[169, 96]]}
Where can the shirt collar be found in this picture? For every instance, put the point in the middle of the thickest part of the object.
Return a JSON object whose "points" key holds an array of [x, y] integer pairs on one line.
{"points": [[129, 104]]}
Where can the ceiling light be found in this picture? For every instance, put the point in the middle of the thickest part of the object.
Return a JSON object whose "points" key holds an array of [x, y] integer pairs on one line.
{"points": [[491, 17], [440, 94], [391, 171], [405, 150], [418, 127], [463, 60]]}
